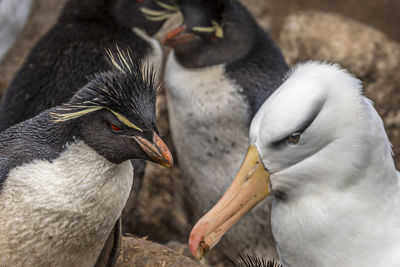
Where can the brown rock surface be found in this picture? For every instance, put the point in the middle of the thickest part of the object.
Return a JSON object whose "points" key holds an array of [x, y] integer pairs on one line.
{"points": [[143, 253], [361, 49], [381, 14], [262, 11], [158, 211]]}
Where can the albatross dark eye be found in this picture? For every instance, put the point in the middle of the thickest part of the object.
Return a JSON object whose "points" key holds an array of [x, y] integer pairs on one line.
{"points": [[293, 138], [115, 128]]}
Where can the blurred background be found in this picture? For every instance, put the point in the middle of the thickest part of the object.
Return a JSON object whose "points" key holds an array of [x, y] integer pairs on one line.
{"points": [[361, 35]]}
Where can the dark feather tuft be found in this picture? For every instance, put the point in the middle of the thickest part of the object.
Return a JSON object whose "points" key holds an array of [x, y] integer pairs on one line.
{"points": [[214, 8], [246, 260], [128, 88]]}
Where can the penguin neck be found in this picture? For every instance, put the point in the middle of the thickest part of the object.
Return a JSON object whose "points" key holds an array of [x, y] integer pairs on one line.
{"points": [[75, 10], [44, 130], [36, 138]]}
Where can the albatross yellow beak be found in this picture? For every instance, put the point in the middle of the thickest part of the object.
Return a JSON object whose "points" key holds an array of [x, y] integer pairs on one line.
{"points": [[250, 186]]}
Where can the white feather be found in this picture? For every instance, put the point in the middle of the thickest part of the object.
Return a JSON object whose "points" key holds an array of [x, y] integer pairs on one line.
{"points": [[60, 213], [341, 187]]}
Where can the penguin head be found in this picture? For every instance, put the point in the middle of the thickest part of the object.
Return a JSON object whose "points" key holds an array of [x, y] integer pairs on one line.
{"points": [[148, 15], [115, 112], [213, 32]]}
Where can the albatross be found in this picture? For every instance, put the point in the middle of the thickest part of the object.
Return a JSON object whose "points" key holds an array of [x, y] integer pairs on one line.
{"points": [[320, 150]]}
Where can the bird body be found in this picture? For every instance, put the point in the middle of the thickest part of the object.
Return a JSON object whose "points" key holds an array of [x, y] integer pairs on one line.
{"points": [[60, 62], [65, 175], [192, 95], [351, 220], [60, 212], [214, 88], [320, 149]]}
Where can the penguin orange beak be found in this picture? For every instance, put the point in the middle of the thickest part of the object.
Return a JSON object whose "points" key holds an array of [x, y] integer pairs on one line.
{"points": [[157, 151], [250, 186], [178, 37]]}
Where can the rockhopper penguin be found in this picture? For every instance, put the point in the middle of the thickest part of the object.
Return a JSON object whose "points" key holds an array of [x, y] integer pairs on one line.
{"points": [[222, 68], [320, 149], [65, 174], [73, 49]]}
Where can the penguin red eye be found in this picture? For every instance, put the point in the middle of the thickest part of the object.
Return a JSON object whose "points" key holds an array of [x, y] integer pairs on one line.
{"points": [[213, 37], [140, 1], [115, 128]]}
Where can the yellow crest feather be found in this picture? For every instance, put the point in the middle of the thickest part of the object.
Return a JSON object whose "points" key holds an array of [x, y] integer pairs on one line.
{"points": [[216, 27], [160, 15]]}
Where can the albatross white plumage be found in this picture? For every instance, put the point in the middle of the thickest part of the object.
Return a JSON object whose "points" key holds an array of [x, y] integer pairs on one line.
{"points": [[320, 149]]}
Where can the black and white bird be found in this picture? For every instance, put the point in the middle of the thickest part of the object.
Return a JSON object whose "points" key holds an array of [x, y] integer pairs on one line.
{"points": [[73, 49], [320, 149], [65, 174], [223, 66]]}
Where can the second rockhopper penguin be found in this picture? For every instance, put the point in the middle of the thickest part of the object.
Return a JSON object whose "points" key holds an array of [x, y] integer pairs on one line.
{"points": [[222, 68]]}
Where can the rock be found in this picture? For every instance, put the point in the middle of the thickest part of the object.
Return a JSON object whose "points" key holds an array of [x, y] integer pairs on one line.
{"points": [[143, 253], [363, 50], [382, 15], [158, 211], [261, 11]]}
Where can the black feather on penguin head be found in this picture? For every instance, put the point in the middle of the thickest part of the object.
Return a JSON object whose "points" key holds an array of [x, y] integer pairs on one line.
{"points": [[202, 14], [126, 12], [148, 15], [128, 90], [213, 32], [212, 9]]}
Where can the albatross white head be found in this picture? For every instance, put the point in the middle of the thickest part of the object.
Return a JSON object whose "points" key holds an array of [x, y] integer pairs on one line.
{"points": [[320, 149]]}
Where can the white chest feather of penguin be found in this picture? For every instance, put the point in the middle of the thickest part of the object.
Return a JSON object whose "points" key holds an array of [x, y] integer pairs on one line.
{"points": [[209, 120], [209, 123], [62, 210]]}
